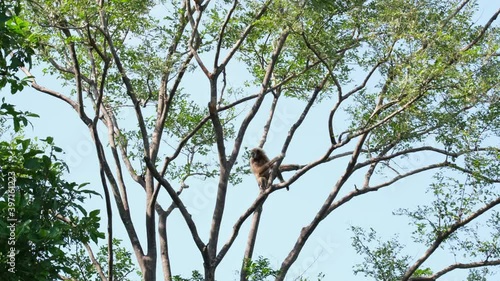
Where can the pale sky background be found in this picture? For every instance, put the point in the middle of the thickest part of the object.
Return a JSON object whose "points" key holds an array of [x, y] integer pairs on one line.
{"points": [[328, 250]]}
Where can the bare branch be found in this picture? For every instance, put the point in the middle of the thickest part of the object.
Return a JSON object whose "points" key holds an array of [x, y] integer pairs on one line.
{"points": [[164, 101], [233, 104], [253, 111], [195, 40], [78, 78], [373, 165], [421, 149], [269, 120], [290, 167], [252, 236], [454, 14], [365, 81], [94, 261], [56, 94], [239, 222], [368, 189], [294, 128], [221, 33]]}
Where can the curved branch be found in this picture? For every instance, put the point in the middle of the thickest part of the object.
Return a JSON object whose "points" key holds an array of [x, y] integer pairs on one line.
{"points": [[342, 97], [294, 128], [452, 267], [221, 33], [441, 237], [421, 149], [465, 266], [336, 82], [482, 32]]}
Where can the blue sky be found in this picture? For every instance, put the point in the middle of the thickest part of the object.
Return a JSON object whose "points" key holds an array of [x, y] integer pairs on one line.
{"points": [[285, 213]]}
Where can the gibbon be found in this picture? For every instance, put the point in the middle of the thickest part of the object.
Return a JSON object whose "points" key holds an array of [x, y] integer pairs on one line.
{"points": [[261, 167]]}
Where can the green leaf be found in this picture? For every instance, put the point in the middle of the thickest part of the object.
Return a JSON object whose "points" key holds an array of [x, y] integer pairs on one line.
{"points": [[32, 164], [49, 140]]}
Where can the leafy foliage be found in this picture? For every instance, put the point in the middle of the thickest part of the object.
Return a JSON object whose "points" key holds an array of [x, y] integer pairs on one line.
{"points": [[259, 269], [402, 78], [83, 269], [45, 212], [195, 276], [16, 45]]}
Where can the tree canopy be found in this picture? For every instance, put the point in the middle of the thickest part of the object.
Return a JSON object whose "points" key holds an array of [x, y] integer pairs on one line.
{"points": [[174, 93], [43, 214]]}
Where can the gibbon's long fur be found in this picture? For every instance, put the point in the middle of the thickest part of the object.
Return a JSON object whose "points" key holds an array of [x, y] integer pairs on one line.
{"points": [[261, 167]]}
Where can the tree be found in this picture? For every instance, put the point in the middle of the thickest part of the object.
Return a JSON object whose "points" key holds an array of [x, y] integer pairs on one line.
{"points": [[43, 214], [411, 78]]}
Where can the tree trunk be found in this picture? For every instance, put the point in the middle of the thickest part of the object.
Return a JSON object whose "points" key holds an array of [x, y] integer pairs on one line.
{"points": [[252, 235], [209, 273]]}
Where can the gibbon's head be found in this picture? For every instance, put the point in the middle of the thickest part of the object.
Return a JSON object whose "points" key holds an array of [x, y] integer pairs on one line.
{"points": [[257, 153]]}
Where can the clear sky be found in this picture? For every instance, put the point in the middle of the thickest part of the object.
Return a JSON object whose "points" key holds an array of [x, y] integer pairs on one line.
{"points": [[285, 213]]}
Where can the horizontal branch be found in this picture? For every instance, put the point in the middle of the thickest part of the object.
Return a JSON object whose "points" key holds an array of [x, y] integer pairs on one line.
{"points": [[242, 38], [482, 32]]}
